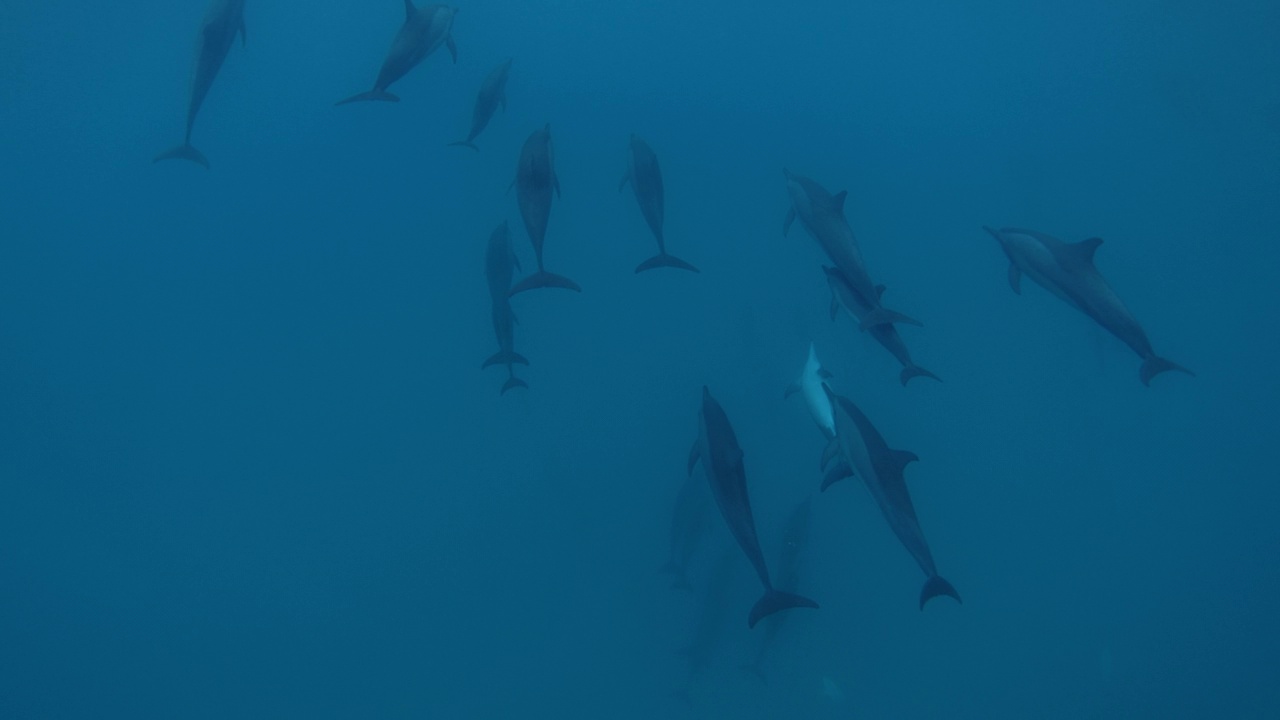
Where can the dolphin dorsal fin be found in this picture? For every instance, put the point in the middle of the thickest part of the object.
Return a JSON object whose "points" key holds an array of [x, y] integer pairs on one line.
{"points": [[409, 10], [837, 200], [1087, 248], [902, 458]]}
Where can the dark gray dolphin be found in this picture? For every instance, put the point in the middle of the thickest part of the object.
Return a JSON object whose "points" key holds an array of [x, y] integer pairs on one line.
{"points": [[646, 181], [844, 296], [493, 92], [222, 21], [822, 215], [721, 457], [795, 537], [1067, 270], [424, 30], [535, 180], [864, 452], [690, 520], [499, 260]]}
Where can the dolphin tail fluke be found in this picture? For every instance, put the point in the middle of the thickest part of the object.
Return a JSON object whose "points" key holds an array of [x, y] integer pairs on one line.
{"points": [[1153, 366], [754, 669], [776, 601], [935, 586], [465, 143], [665, 260], [513, 382], [542, 279], [185, 151], [881, 316], [915, 371], [505, 358], [382, 95]]}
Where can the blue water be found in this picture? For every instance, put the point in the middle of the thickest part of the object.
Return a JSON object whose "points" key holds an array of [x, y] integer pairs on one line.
{"points": [[250, 466]]}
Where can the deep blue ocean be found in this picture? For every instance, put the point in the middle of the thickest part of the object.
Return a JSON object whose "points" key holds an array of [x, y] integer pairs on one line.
{"points": [[250, 465]]}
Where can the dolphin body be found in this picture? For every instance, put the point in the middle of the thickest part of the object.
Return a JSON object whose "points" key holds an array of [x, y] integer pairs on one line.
{"points": [[423, 32], [689, 523], [493, 92], [1067, 270], [222, 21], [864, 451], [499, 260], [535, 180], [721, 457], [809, 384], [822, 215], [795, 537], [645, 177], [844, 296]]}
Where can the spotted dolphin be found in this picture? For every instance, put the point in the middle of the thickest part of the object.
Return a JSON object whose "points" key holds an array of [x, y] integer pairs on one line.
{"points": [[864, 452], [499, 261], [809, 385], [423, 32], [493, 92], [690, 520], [718, 451], [844, 296], [535, 180], [1067, 270], [822, 215], [222, 21], [645, 177]]}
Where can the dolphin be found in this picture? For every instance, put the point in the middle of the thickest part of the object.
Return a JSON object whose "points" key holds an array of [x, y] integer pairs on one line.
{"points": [[689, 523], [1067, 270], [864, 451], [843, 296], [809, 384], [646, 181], [222, 21], [795, 537], [822, 215], [498, 261], [721, 457], [493, 91], [423, 32], [535, 179]]}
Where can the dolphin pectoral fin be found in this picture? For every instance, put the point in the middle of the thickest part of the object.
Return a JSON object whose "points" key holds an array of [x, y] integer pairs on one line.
{"points": [[465, 143], [542, 279], [1015, 279], [829, 452], [775, 601], [903, 458], [184, 151], [513, 382], [665, 260], [453, 49], [1154, 365], [693, 459], [834, 307], [786, 222], [883, 316], [382, 95], [935, 586], [837, 473], [915, 371], [626, 178], [513, 184], [504, 358], [792, 389]]}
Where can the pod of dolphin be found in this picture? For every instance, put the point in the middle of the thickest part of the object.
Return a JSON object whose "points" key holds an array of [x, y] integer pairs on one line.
{"points": [[854, 446]]}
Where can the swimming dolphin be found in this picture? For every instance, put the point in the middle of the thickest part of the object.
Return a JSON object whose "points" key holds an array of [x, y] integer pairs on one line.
{"points": [[822, 215], [689, 523], [498, 261], [864, 452], [721, 457], [809, 384], [535, 179], [795, 537], [222, 21], [493, 91], [1067, 270], [843, 296], [424, 30], [646, 181]]}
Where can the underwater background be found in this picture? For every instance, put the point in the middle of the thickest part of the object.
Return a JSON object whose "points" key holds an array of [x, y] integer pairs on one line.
{"points": [[250, 465]]}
